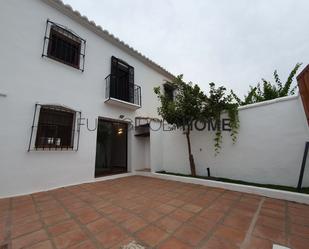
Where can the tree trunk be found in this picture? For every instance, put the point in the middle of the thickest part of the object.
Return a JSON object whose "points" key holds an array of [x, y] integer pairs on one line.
{"points": [[191, 159]]}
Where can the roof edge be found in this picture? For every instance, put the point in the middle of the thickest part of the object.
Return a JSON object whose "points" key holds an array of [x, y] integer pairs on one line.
{"points": [[92, 26]]}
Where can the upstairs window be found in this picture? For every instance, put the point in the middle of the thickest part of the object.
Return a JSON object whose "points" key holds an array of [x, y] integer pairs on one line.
{"points": [[55, 128], [169, 91], [122, 80], [64, 45]]}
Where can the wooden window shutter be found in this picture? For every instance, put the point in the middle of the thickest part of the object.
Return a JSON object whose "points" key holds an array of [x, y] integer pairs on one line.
{"points": [[131, 84], [303, 85], [113, 78]]}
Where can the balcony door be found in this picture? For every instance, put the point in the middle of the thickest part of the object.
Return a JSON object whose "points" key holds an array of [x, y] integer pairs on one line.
{"points": [[122, 80], [111, 151]]}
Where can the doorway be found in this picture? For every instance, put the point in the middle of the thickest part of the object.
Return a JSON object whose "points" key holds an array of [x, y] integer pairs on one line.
{"points": [[111, 151]]}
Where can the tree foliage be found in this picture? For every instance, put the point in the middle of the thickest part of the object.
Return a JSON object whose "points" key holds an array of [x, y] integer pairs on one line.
{"points": [[192, 104], [268, 90]]}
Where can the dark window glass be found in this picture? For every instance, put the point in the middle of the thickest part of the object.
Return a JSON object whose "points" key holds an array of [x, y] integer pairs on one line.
{"points": [[122, 80], [169, 91], [64, 47], [55, 128]]}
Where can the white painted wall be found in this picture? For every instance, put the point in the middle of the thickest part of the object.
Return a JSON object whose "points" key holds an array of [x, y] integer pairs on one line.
{"points": [[28, 78], [269, 149]]}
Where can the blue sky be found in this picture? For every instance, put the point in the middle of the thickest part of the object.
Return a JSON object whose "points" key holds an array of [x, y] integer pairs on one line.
{"points": [[232, 43]]}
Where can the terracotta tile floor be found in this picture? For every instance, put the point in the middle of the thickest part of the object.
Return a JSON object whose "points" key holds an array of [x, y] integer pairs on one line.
{"points": [[154, 213]]}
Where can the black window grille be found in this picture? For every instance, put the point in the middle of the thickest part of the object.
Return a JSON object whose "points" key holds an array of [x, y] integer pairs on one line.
{"points": [[120, 83], [54, 127], [63, 45]]}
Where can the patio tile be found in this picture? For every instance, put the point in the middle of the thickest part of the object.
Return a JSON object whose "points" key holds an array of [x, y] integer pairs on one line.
{"points": [[272, 234], [42, 245], [84, 245], [192, 208], [203, 223], [151, 235], [120, 216], [110, 209], [29, 239], [272, 213], [134, 224], [301, 211], [302, 231], [250, 199], [111, 237], [52, 212], [165, 208], [48, 205], [217, 243], [275, 223], [168, 224], [176, 203], [181, 215], [19, 230], [99, 225], [238, 221], [245, 209], [259, 243], [189, 234], [126, 242], [274, 206], [173, 243], [296, 242], [69, 239], [74, 204], [231, 195], [24, 220], [221, 205], [63, 227], [55, 219], [214, 215], [151, 215], [88, 216], [233, 235], [161, 214], [297, 219], [100, 204]]}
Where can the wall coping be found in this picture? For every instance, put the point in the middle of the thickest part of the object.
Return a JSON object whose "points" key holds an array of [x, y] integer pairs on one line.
{"points": [[269, 102]]}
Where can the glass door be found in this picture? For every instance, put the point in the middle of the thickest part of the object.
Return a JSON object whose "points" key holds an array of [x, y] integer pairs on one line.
{"points": [[111, 151]]}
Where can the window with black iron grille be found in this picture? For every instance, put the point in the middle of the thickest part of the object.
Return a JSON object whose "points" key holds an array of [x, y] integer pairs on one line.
{"points": [[169, 91], [54, 127], [63, 45], [120, 83]]}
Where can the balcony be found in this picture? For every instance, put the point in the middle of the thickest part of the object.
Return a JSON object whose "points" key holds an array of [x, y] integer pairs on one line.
{"points": [[120, 92]]}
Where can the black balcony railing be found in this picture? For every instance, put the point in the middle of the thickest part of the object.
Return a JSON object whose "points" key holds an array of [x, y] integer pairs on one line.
{"points": [[120, 88]]}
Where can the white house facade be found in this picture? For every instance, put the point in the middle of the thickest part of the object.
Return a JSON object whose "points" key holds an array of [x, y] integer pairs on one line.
{"points": [[64, 81], [70, 92]]}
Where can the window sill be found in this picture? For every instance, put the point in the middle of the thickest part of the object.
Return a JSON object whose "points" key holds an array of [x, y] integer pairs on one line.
{"points": [[53, 149], [63, 62]]}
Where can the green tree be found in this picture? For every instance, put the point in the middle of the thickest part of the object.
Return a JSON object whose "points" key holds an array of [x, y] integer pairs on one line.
{"points": [[191, 104], [268, 90]]}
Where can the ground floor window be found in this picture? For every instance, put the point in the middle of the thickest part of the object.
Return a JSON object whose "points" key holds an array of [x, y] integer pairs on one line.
{"points": [[54, 127]]}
